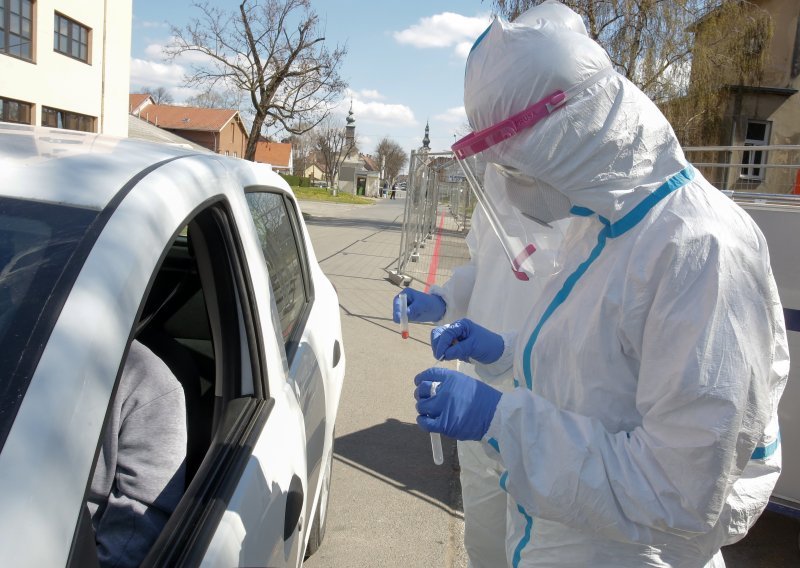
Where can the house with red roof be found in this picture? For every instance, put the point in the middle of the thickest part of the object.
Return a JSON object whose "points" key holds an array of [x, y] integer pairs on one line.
{"points": [[276, 154], [219, 130], [137, 101]]}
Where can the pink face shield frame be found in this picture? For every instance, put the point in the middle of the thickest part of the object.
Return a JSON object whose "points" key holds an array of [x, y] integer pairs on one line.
{"points": [[476, 142]]}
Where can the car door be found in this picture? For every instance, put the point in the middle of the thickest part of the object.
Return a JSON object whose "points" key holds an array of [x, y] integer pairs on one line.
{"points": [[277, 227], [244, 503]]}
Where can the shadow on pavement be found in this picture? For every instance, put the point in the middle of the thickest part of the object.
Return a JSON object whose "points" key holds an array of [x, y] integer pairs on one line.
{"points": [[399, 453], [352, 223]]}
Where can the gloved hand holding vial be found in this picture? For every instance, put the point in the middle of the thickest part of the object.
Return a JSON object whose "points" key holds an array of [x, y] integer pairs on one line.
{"points": [[436, 439]]}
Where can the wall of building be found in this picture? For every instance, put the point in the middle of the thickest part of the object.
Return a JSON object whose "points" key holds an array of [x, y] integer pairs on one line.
{"points": [[313, 172], [99, 88], [783, 113], [231, 139], [785, 15], [347, 178]]}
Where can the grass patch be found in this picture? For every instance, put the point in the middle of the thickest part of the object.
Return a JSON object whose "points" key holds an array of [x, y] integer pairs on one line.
{"points": [[321, 194]]}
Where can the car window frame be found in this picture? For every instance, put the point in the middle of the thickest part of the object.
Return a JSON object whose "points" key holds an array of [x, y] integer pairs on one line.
{"points": [[292, 342], [192, 525]]}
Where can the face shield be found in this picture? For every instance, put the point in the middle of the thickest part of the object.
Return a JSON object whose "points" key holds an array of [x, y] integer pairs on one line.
{"points": [[529, 197]]}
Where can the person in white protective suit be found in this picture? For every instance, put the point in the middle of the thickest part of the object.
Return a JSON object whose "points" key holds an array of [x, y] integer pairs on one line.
{"points": [[470, 293], [644, 431]]}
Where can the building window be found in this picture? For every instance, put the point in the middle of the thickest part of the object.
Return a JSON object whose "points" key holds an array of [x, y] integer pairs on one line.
{"points": [[71, 38], [15, 111], [757, 135], [55, 118], [16, 28]]}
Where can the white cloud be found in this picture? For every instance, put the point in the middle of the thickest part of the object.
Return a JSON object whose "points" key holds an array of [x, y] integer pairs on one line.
{"points": [[152, 24], [370, 94], [152, 74], [368, 108], [463, 48], [444, 30], [365, 142], [455, 115], [154, 50], [383, 113]]}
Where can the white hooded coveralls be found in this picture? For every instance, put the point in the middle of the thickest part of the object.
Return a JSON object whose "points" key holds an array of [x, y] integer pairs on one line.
{"points": [[645, 429], [471, 292]]}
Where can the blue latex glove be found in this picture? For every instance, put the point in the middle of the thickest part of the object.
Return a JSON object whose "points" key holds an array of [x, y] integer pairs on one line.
{"points": [[421, 306], [462, 407], [466, 340]]}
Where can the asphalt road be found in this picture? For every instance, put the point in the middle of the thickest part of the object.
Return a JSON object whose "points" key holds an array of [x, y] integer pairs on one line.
{"points": [[390, 505]]}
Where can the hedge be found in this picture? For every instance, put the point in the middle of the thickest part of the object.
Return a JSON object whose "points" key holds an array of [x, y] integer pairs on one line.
{"points": [[296, 181]]}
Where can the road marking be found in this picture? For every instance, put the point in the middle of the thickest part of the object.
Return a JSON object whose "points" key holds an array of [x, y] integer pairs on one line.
{"points": [[435, 259]]}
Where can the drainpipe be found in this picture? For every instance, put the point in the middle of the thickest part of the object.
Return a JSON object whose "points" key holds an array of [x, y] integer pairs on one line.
{"points": [[103, 71]]}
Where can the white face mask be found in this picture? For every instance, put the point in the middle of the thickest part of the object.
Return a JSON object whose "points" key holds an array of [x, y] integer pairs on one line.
{"points": [[536, 200]]}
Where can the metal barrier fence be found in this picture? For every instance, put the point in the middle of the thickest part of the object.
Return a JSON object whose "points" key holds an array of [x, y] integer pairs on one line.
{"points": [[438, 209], [439, 202]]}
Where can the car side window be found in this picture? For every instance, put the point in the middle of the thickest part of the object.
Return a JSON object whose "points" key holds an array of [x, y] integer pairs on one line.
{"points": [[284, 253]]}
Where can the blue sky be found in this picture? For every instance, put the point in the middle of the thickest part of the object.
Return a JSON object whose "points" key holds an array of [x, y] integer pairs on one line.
{"points": [[404, 66]]}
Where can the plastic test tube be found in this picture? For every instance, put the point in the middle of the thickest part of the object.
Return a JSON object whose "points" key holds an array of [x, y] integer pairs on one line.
{"points": [[436, 438], [403, 315]]}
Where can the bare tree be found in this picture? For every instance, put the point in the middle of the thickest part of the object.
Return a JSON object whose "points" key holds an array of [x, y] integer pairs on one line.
{"points": [[392, 156], [216, 98], [302, 149], [731, 50], [273, 51], [332, 147], [160, 95], [652, 43]]}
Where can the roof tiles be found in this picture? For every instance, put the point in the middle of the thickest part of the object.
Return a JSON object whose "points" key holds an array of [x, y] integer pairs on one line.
{"points": [[187, 118]]}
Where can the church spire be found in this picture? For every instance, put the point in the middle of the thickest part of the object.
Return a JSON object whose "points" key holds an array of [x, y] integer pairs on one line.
{"points": [[350, 129]]}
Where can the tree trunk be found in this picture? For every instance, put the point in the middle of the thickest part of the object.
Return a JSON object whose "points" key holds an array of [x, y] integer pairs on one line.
{"points": [[252, 139]]}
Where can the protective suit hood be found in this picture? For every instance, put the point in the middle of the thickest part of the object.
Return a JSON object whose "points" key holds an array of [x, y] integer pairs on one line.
{"points": [[606, 149]]}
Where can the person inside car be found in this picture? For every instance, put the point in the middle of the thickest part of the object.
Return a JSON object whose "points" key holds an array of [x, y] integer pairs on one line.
{"points": [[140, 474]]}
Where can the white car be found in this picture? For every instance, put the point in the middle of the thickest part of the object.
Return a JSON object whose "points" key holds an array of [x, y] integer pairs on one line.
{"points": [[205, 260]]}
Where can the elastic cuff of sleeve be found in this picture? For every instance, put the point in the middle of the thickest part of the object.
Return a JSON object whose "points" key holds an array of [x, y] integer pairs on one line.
{"points": [[489, 371], [494, 433], [491, 447], [442, 293]]}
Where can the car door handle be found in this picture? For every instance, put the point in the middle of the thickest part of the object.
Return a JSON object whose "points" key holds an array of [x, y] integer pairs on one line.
{"points": [[337, 352], [294, 508]]}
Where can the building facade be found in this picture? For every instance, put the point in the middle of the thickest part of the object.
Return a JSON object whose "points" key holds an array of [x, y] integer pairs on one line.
{"points": [[765, 114], [66, 64], [276, 154], [216, 129]]}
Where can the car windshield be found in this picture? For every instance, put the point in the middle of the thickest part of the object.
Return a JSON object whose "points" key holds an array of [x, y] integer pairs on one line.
{"points": [[36, 242]]}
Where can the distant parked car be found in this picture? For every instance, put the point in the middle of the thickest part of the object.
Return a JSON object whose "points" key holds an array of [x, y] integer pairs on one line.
{"points": [[319, 183], [206, 261]]}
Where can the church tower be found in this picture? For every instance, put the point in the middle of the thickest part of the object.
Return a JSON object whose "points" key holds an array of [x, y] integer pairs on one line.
{"points": [[350, 129], [426, 141]]}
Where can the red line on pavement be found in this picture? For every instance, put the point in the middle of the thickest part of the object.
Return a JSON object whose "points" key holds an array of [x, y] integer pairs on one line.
{"points": [[435, 259]]}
